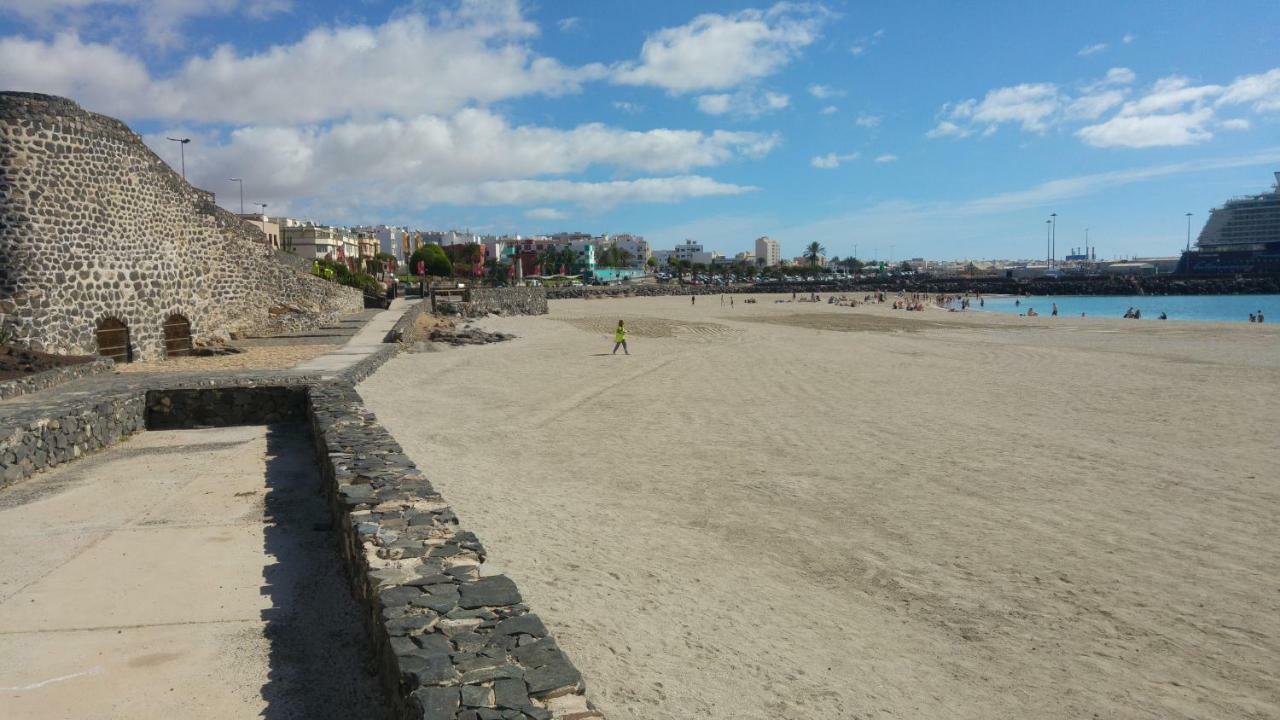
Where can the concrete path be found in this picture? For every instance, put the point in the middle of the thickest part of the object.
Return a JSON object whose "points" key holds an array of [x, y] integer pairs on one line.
{"points": [[361, 345], [182, 574]]}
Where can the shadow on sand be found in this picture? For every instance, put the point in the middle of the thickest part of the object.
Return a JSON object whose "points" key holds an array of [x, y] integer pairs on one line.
{"points": [[319, 652]]}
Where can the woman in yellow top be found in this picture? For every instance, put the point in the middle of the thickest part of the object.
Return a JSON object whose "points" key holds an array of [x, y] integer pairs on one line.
{"points": [[620, 339]]}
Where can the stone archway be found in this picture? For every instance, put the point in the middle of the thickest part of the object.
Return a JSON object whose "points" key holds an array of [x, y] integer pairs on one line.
{"points": [[177, 336], [113, 340]]}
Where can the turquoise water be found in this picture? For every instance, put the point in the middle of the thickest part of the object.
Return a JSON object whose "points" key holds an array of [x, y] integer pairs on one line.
{"points": [[1225, 308]]}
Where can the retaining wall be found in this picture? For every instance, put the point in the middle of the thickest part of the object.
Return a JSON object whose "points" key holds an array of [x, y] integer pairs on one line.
{"points": [[51, 378], [94, 225]]}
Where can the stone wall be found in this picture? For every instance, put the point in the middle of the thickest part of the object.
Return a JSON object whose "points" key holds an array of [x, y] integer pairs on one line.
{"points": [[51, 378], [94, 225], [35, 438], [502, 301]]}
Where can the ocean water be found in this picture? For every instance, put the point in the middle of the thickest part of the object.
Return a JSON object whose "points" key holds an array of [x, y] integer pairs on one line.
{"points": [[1221, 308]]}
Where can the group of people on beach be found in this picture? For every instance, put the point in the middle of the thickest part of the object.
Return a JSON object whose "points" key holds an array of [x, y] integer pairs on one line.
{"points": [[1256, 317]]}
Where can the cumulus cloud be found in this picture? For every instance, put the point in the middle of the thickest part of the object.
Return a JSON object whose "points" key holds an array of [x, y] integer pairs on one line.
{"points": [[830, 110], [569, 24], [471, 157], [744, 103], [409, 65], [1172, 111], [1142, 131], [831, 161], [1092, 49], [886, 158], [719, 52], [867, 121]]}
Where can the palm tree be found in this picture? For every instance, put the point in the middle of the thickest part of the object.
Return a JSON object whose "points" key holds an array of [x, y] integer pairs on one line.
{"points": [[813, 252]]}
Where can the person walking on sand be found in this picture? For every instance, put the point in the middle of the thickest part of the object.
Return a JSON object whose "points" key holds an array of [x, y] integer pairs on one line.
{"points": [[1054, 312], [620, 339], [693, 299]]}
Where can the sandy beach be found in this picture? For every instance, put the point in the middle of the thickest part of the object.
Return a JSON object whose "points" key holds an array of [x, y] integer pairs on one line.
{"points": [[802, 510]]}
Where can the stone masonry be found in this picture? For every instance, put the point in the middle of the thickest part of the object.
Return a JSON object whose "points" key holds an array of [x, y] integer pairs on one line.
{"points": [[93, 225]]}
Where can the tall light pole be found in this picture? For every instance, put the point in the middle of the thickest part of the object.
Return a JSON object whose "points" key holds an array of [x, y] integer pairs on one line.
{"points": [[1188, 232], [241, 181], [1053, 239], [264, 208], [182, 152]]}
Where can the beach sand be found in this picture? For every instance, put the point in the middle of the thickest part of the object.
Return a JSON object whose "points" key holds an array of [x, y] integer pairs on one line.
{"points": [[810, 511]]}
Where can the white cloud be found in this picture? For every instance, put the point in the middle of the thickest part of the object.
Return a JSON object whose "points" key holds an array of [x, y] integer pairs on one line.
{"points": [[824, 92], [627, 107], [830, 110], [1128, 38], [1263, 90], [867, 121], [473, 156], [1173, 111], [1092, 49], [1028, 104], [946, 128], [831, 160], [569, 24], [886, 158], [1091, 107], [718, 52], [858, 49], [407, 66], [1170, 93], [159, 22], [546, 214], [1134, 131], [744, 103]]}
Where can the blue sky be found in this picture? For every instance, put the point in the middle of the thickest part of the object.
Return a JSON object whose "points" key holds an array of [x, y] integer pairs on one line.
{"points": [[920, 129]]}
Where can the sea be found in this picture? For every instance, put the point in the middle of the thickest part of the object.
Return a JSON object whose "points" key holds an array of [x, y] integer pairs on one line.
{"points": [[1215, 308]]}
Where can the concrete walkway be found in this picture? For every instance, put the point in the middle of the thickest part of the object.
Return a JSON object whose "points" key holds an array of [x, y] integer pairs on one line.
{"points": [[361, 345], [181, 574]]}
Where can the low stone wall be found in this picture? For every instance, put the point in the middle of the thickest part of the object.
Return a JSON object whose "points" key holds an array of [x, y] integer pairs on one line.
{"points": [[406, 322], [508, 301], [38, 437], [50, 378], [177, 408], [451, 642]]}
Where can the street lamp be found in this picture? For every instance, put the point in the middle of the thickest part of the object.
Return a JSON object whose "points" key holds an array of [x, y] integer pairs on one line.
{"points": [[1053, 239], [1188, 232], [241, 181], [264, 208], [182, 152]]}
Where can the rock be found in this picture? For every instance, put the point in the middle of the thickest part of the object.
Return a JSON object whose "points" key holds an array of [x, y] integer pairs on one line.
{"points": [[493, 591], [437, 703]]}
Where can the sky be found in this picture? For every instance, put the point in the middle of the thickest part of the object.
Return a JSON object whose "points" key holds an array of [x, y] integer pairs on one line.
{"points": [[886, 130]]}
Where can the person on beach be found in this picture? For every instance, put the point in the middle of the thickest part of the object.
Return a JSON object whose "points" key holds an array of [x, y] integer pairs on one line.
{"points": [[1054, 312], [1163, 315], [1259, 314], [1253, 318], [693, 299], [620, 339]]}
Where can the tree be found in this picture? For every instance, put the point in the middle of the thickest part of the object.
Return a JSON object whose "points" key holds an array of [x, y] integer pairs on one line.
{"points": [[814, 252], [906, 267], [651, 263], [436, 261]]}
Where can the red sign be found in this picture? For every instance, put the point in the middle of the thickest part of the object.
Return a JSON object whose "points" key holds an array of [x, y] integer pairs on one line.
{"points": [[422, 267]]}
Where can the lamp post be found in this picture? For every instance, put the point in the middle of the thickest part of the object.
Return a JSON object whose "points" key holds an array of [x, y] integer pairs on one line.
{"points": [[241, 181], [182, 152], [1053, 239], [1188, 232], [264, 208]]}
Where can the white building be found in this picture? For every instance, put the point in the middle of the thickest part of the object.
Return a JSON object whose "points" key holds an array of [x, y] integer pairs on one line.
{"points": [[769, 250], [391, 240], [637, 246], [694, 253]]}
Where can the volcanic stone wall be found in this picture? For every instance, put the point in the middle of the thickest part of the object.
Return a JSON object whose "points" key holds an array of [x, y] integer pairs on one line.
{"points": [[94, 225]]}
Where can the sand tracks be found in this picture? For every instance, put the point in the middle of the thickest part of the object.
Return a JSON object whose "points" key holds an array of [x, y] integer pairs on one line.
{"points": [[651, 327]]}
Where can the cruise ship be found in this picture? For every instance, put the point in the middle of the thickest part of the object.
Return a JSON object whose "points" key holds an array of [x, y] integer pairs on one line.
{"points": [[1242, 236]]}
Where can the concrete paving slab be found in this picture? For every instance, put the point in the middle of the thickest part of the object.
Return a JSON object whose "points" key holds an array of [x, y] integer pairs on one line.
{"points": [[181, 574]]}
